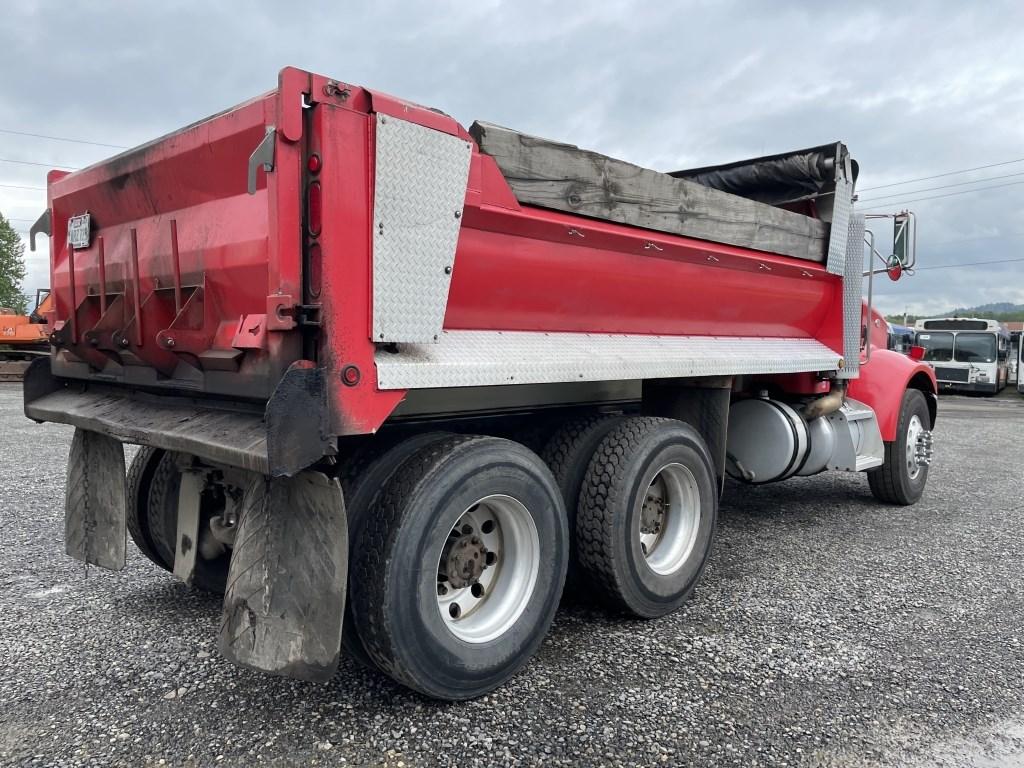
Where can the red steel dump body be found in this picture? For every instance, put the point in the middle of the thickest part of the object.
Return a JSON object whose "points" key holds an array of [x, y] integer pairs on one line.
{"points": [[188, 283]]}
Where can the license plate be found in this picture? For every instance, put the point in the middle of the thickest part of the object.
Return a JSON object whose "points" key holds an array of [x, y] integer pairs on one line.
{"points": [[79, 229]]}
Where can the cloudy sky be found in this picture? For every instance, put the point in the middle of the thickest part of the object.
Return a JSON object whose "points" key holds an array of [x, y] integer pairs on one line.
{"points": [[915, 90]]}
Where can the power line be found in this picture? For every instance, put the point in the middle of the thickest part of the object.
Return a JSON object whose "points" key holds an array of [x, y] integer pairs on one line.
{"points": [[18, 186], [948, 194], [944, 186], [44, 165], [61, 138], [970, 264], [940, 175]]}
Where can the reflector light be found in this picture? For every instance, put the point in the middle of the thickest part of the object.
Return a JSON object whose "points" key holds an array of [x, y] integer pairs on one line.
{"points": [[314, 164], [315, 270], [894, 269], [917, 353], [314, 209]]}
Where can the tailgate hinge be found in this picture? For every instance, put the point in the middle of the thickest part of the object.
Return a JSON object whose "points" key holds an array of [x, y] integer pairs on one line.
{"points": [[43, 226], [262, 155]]}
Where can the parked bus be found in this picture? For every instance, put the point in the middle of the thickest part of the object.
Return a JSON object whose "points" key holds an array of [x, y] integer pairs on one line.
{"points": [[901, 338], [968, 354], [1020, 363], [1014, 372]]}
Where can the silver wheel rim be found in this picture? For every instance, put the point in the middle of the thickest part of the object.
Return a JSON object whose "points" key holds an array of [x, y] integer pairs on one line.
{"points": [[487, 569], [669, 518], [914, 432]]}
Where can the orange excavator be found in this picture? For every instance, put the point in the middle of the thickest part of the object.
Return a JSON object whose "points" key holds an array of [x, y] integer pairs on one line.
{"points": [[23, 338]]}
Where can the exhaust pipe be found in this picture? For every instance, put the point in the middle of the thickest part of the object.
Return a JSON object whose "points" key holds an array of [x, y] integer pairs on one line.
{"points": [[826, 404]]}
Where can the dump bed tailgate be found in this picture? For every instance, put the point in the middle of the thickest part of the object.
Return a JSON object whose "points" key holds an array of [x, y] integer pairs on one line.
{"points": [[179, 272]]}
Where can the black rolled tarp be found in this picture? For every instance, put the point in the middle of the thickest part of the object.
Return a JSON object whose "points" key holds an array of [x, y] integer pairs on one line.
{"points": [[789, 177]]}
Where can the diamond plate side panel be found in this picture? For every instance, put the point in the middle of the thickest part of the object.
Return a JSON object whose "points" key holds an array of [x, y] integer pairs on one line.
{"points": [[842, 208], [853, 281], [419, 191], [488, 358]]}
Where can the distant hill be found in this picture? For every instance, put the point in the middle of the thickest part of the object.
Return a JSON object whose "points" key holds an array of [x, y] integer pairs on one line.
{"points": [[1003, 311]]}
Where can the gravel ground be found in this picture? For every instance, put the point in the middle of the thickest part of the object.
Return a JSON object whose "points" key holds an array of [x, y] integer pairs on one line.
{"points": [[829, 630]]}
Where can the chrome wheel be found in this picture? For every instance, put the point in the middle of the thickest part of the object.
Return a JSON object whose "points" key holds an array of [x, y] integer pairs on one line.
{"points": [[919, 447], [487, 569], [669, 519]]}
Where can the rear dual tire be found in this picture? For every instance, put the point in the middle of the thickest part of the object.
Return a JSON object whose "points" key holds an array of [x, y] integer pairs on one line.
{"points": [[427, 610], [152, 498], [646, 516]]}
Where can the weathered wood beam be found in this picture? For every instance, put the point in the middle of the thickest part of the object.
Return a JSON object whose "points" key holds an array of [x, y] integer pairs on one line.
{"points": [[549, 174]]}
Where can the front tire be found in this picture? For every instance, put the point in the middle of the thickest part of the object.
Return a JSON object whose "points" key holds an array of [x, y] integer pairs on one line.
{"points": [[647, 515], [461, 567], [902, 477]]}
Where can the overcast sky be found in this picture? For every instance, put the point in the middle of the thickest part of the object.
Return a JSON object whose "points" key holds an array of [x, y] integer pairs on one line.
{"points": [[914, 89]]}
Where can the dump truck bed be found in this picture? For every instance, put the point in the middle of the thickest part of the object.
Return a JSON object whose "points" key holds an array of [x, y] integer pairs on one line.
{"points": [[375, 249]]}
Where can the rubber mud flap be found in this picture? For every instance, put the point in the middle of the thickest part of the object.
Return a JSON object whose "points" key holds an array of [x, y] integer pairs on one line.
{"points": [[285, 596], [95, 528]]}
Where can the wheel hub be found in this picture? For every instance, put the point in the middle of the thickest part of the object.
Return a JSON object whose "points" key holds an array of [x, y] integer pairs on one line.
{"points": [[652, 516], [919, 447], [487, 568], [464, 561], [669, 519]]}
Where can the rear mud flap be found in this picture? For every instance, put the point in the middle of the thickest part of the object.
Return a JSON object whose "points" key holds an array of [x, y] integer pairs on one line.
{"points": [[94, 506], [285, 597]]}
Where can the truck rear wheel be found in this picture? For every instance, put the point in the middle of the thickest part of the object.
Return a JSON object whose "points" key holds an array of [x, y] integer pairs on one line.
{"points": [[363, 480], [140, 475], [902, 477], [461, 566], [568, 454], [154, 483], [647, 513]]}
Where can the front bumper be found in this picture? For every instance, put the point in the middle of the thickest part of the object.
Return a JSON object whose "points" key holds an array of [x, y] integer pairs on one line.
{"points": [[961, 386]]}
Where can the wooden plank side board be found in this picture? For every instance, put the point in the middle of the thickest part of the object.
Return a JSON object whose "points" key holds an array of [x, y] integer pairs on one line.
{"points": [[548, 174]]}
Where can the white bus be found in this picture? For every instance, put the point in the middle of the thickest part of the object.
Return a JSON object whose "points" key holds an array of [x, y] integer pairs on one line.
{"points": [[1020, 363], [968, 354]]}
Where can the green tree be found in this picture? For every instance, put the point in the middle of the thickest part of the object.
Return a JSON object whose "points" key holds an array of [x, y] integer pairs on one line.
{"points": [[12, 268]]}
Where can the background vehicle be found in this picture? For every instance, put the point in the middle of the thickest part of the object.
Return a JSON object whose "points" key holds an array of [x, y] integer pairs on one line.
{"points": [[23, 338], [1013, 369], [389, 369], [968, 354], [1020, 364], [901, 338]]}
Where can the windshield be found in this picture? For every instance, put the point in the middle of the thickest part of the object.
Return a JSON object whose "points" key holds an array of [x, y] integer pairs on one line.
{"points": [[976, 348], [938, 347]]}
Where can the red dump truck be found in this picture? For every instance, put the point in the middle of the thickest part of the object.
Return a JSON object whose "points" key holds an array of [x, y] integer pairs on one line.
{"points": [[395, 381]]}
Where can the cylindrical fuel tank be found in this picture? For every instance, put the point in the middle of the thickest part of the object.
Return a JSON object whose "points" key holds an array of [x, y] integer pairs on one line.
{"points": [[822, 436], [767, 441]]}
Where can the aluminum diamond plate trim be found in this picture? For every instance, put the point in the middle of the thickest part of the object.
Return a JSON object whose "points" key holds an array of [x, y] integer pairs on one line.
{"points": [[842, 208], [489, 358], [853, 282], [419, 191]]}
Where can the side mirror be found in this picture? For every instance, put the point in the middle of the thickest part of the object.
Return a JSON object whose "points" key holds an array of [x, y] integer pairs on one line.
{"points": [[916, 352]]}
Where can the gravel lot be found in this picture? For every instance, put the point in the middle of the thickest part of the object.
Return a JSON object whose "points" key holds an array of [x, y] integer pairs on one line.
{"points": [[828, 630]]}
